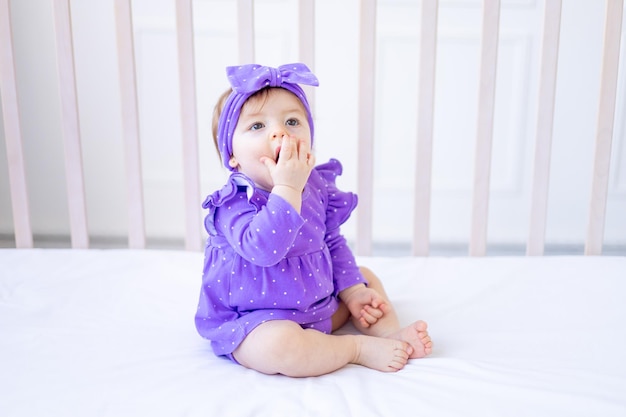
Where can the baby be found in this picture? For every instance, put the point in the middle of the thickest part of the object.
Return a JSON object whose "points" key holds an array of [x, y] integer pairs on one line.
{"points": [[279, 277]]}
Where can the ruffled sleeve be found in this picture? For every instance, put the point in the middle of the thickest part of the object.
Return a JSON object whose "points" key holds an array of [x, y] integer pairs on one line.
{"points": [[217, 199], [341, 204], [236, 183]]}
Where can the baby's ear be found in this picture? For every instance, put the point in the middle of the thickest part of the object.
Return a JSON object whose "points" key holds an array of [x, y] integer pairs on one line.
{"points": [[232, 162]]}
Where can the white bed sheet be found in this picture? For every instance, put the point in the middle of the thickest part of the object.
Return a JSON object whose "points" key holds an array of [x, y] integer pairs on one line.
{"points": [[110, 333]]}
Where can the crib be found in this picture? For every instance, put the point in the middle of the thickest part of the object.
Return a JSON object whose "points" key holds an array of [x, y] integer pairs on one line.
{"points": [[526, 309]]}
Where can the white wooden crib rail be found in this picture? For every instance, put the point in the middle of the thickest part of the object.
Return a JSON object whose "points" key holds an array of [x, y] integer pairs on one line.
{"points": [[421, 241]]}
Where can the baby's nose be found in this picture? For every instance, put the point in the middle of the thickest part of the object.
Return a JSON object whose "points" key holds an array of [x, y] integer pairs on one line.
{"points": [[278, 134]]}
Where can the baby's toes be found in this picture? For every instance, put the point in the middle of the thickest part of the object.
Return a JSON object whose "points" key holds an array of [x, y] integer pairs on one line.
{"points": [[427, 343]]}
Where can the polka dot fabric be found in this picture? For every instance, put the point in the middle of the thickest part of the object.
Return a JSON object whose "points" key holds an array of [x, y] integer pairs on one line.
{"points": [[264, 261]]}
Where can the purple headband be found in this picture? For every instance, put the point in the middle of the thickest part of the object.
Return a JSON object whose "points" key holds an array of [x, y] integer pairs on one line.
{"points": [[246, 80]]}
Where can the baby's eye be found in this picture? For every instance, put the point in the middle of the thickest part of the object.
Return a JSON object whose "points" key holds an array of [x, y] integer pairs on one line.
{"points": [[292, 122], [256, 126]]}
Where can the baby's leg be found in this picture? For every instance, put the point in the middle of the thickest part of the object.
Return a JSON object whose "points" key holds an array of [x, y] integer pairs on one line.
{"points": [[283, 347], [415, 334]]}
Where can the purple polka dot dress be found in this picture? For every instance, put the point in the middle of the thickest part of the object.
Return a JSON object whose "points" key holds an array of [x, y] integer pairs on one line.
{"points": [[264, 261]]}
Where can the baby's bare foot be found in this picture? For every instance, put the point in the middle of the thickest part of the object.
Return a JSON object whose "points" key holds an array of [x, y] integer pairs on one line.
{"points": [[387, 355], [417, 336]]}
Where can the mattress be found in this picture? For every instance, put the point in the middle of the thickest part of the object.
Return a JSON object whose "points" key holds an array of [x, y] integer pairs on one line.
{"points": [[111, 333]]}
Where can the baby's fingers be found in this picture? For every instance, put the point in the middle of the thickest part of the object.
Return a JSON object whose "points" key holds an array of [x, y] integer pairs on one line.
{"points": [[364, 322], [370, 315], [288, 148], [376, 312]]}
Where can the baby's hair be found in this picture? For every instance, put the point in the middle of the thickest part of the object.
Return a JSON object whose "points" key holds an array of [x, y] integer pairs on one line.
{"points": [[219, 106]]}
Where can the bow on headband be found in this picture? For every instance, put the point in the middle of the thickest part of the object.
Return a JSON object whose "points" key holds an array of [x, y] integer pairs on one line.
{"points": [[252, 78], [246, 80]]}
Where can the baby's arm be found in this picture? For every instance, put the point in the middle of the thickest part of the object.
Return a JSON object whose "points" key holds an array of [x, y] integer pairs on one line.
{"points": [[365, 304], [262, 235]]}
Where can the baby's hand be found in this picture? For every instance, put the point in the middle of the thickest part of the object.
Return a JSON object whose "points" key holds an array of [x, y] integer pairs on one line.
{"points": [[365, 304], [294, 164]]}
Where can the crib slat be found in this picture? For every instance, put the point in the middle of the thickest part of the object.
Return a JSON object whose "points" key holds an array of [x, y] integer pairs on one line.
{"points": [[130, 124], [365, 154], [545, 118], [484, 137], [13, 133], [70, 125], [245, 31], [604, 133], [189, 122], [425, 117], [306, 43]]}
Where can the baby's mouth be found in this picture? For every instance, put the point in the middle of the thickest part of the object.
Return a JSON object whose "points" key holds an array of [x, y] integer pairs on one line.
{"points": [[277, 154]]}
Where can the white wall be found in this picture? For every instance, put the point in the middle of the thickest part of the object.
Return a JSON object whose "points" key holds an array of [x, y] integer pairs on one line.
{"points": [[336, 118]]}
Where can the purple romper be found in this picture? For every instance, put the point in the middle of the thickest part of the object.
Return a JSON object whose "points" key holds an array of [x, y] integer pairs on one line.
{"points": [[264, 261]]}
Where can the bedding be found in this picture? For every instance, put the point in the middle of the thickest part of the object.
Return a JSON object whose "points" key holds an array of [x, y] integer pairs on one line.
{"points": [[111, 333]]}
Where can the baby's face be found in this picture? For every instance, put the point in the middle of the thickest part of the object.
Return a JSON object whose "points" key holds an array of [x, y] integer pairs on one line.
{"points": [[263, 121]]}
